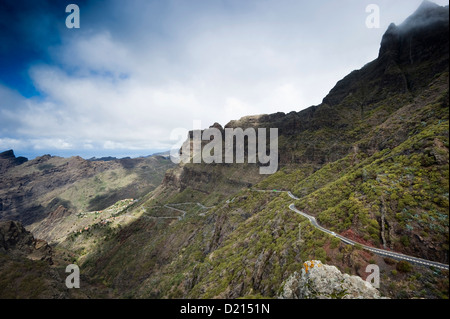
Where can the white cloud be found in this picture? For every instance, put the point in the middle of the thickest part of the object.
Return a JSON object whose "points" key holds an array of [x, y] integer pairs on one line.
{"points": [[52, 143], [5, 143], [110, 89]]}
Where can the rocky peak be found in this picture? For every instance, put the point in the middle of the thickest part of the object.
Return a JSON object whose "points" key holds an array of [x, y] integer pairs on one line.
{"points": [[7, 155], [319, 281], [427, 13], [410, 56], [8, 159], [420, 37]]}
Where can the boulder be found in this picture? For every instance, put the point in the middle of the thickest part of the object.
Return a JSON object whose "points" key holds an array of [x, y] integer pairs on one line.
{"points": [[319, 281]]}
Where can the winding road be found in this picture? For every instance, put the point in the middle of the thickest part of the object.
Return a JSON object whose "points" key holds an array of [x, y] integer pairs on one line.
{"points": [[378, 251], [313, 221], [183, 212]]}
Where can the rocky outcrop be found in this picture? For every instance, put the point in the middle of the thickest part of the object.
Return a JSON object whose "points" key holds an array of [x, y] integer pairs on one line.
{"points": [[319, 281], [13, 236], [26, 266], [8, 160], [17, 241], [420, 37]]}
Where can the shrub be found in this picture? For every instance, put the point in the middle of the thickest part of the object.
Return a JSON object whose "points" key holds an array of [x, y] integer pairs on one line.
{"points": [[389, 261], [404, 266], [405, 240], [335, 242]]}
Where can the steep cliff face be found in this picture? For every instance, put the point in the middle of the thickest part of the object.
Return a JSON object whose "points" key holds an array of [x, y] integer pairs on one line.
{"points": [[411, 57], [200, 180], [421, 37]]}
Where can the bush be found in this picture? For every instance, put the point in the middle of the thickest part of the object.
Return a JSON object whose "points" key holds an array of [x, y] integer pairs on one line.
{"points": [[405, 240], [335, 242], [389, 261], [404, 266]]}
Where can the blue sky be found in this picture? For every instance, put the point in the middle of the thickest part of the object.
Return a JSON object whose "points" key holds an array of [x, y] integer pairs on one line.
{"points": [[136, 70]]}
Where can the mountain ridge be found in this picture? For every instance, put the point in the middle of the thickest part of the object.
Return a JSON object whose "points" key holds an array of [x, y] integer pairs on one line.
{"points": [[30, 190]]}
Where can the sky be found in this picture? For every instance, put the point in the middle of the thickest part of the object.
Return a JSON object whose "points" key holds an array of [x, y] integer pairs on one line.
{"points": [[136, 70]]}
